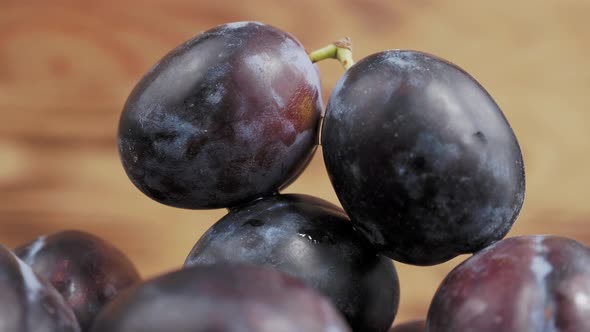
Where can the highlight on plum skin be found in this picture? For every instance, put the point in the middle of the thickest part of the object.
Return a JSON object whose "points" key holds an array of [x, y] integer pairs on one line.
{"points": [[421, 157], [86, 270], [520, 284], [28, 301], [228, 298], [228, 116], [313, 240]]}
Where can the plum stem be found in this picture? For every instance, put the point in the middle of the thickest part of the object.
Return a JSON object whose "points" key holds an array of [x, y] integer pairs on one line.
{"points": [[340, 50]]}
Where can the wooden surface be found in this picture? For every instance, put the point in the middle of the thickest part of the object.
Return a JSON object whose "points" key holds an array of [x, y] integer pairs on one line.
{"points": [[66, 68]]}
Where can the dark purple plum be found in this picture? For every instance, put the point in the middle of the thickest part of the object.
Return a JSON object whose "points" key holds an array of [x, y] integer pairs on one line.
{"points": [[314, 241], [421, 157], [86, 270], [229, 116], [413, 326], [221, 298], [521, 284], [28, 302]]}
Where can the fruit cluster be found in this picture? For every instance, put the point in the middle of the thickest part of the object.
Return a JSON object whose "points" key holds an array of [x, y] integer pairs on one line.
{"points": [[424, 164]]}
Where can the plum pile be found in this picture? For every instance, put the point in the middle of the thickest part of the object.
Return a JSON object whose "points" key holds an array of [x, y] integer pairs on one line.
{"points": [[423, 161]]}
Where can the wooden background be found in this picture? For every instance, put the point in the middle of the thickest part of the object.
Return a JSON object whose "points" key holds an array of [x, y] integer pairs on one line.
{"points": [[67, 66]]}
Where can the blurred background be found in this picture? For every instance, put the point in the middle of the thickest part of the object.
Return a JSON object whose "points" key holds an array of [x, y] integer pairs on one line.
{"points": [[67, 66]]}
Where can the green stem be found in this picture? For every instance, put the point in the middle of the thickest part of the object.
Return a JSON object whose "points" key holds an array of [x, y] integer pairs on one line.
{"points": [[340, 50]]}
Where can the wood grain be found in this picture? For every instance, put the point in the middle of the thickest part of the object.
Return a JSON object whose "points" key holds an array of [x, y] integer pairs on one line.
{"points": [[66, 68]]}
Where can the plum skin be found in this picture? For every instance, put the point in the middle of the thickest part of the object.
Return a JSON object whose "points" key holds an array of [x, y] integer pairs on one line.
{"points": [[86, 270], [224, 298], [314, 241], [226, 117], [520, 284], [28, 301], [421, 157]]}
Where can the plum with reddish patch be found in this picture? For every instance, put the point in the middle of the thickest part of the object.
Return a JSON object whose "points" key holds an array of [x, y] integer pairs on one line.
{"points": [[86, 270], [229, 116], [224, 298], [520, 284]]}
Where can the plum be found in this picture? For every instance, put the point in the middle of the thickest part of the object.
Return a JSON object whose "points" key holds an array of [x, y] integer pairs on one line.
{"points": [[221, 298], [29, 303], [521, 284], [421, 157], [230, 115], [313, 240], [86, 270]]}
